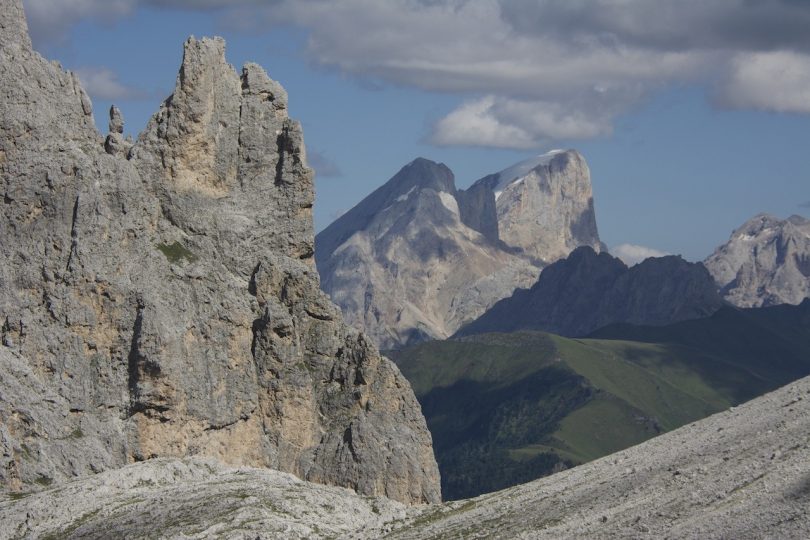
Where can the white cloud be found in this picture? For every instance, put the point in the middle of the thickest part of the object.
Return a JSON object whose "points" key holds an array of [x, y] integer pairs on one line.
{"points": [[632, 254], [776, 81], [507, 123], [531, 71], [475, 123], [524, 90], [103, 83]]}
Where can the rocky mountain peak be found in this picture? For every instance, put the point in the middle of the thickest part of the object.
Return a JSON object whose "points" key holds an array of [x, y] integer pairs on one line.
{"points": [[422, 173], [214, 147], [414, 259], [766, 261], [418, 174], [418, 258], [545, 205], [14, 26], [799, 221], [163, 299]]}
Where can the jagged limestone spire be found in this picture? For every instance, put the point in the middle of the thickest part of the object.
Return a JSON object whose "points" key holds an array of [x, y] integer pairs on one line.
{"points": [[13, 25]]}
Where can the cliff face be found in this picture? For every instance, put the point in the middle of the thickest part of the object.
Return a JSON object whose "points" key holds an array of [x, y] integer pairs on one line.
{"points": [[586, 291], [160, 298], [545, 205], [765, 262]]}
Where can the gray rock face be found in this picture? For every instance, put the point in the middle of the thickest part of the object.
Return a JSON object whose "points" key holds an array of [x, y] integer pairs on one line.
{"points": [[403, 265], [586, 291], [738, 474], [162, 300], [115, 144], [417, 259], [478, 210], [545, 205], [765, 262]]}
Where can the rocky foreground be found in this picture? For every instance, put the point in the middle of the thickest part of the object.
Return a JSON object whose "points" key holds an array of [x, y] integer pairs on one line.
{"points": [[744, 473]]}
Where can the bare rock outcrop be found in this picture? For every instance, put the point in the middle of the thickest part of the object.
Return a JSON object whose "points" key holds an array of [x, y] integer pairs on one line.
{"points": [[545, 205], [765, 262], [738, 474], [162, 299]]}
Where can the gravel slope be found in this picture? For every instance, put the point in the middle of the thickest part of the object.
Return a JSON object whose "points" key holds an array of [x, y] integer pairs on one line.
{"points": [[743, 473]]}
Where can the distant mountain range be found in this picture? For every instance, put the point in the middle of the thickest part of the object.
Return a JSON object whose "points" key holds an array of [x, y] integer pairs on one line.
{"points": [[507, 408], [589, 290], [418, 258]]}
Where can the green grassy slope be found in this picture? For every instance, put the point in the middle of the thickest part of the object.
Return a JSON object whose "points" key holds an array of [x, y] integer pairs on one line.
{"points": [[507, 408]]}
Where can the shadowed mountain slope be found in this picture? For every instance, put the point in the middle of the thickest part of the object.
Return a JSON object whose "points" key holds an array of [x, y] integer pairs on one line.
{"points": [[588, 290]]}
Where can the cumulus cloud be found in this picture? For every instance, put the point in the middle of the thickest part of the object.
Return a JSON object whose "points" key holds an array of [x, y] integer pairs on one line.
{"points": [[535, 71], [50, 21], [506, 123], [632, 254], [532, 71], [103, 83], [475, 123], [776, 81]]}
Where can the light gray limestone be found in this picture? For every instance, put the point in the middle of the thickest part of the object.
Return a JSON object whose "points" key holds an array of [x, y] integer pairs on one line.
{"points": [[765, 262], [162, 300]]}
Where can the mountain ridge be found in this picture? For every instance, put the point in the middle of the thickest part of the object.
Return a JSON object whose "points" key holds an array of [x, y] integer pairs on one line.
{"points": [[506, 408], [587, 290]]}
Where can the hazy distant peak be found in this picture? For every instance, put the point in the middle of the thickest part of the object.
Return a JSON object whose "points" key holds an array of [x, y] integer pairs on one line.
{"points": [[766, 261], [423, 173]]}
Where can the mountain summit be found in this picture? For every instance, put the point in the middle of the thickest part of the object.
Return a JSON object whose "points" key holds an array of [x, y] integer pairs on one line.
{"points": [[418, 258], [545, 205], [765, 262]]}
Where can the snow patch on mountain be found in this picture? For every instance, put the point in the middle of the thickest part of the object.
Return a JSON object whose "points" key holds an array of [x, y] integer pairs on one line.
{"points": [[449, 202], [521, 169], [405, 196]]}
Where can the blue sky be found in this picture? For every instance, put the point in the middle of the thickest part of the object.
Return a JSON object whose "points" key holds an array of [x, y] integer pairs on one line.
{"points": [[692, 115]]}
